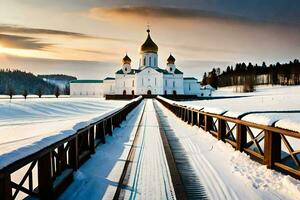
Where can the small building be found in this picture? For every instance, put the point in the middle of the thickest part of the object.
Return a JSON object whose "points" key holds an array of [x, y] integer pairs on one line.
{"points": [[86, 88]]}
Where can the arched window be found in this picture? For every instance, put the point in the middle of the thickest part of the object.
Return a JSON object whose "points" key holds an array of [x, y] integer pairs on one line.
{"points": [[150, 61], [166, 92], [173, 84], [132, 92], [132, 83], [166, 82], [124, 92], [174, 92], [144, 61]]}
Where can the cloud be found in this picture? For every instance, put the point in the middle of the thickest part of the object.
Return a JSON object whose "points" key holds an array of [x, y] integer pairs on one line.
{"points": [[22, 42], [142, 12], [28, 30]]}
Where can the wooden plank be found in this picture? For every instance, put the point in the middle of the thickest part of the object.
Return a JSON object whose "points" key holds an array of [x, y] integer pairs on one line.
{"points": [[272, 148], [5, 187], [74, 154], [45, 177], [241, 137]]}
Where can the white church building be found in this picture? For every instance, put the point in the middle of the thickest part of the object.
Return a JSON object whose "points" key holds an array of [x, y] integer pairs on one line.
{"points": [[148, 78]]}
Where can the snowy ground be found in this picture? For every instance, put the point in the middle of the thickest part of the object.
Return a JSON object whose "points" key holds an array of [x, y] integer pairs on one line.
{"points": [[98, 178], [267, 105], [229, 174], [27, 126]]}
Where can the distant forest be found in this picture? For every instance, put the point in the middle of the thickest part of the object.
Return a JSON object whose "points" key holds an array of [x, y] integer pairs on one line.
{"points": [[57, 77], [250, 75], [14, 82]]}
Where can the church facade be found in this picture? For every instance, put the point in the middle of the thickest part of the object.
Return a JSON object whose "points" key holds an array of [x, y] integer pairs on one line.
{"points": [[148, 78]]}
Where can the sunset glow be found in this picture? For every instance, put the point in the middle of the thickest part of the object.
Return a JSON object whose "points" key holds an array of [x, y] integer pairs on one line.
{"points": [[200, 35]]}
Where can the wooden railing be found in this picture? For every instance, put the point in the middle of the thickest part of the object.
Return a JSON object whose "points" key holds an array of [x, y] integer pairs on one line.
{"points": [[46, 173], [271, 146]]}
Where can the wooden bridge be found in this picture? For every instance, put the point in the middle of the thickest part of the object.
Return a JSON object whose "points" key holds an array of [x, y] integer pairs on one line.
{"points": [[57, 163]]}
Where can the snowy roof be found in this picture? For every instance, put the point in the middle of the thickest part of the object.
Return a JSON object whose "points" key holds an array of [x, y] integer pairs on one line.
{"points": [[189, 78], [86, 81], [109, 78], [160, 70], [133, 71]]}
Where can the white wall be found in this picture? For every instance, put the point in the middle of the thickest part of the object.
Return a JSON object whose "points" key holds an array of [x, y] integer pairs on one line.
{"points": [[109, 86], [149, 79], [151, 60], [172, 83], [86, 90], [191, 87], [125, 82]]}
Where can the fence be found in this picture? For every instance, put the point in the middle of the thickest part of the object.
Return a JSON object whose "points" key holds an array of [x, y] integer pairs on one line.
{"points": [[55, 164], [268, 145]]}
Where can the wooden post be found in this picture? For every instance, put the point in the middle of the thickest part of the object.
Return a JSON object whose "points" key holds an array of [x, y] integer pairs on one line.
{"points": [[102, 132], [61, 161], [241, 137], [92, 139], [73, 153], [5, 187], [45, 177], [208, 122], [221, 129], [272, 148]]}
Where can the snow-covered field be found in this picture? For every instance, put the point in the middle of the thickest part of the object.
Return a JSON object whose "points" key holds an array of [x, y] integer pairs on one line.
{"points": [[267, 105], [27, 126], [226, 173]]}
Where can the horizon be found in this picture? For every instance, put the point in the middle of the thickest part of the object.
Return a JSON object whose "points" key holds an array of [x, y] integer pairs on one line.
{"points": [[89, 39]]}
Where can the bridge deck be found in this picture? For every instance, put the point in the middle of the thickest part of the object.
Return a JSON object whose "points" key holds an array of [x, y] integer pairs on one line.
{"points": [[202, 162]]}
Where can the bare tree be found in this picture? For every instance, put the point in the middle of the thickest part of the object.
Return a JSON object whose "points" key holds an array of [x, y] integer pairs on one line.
{"points": [[25, 94], [56, 92]]}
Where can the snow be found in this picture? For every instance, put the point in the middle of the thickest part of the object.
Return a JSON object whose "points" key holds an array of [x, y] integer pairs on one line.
{"points": [[267, 105], [28, 126], [101, 182], [226, 173], [149, 177]]}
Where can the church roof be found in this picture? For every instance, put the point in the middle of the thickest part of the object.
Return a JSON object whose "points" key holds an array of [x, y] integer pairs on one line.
{"points": [[126, 59], [133, 71], [171, 59], [86, 81], [109, 78], [149, 46]]}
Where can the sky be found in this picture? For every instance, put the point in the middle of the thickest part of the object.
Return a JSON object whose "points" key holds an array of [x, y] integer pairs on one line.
{"points": [[89, 38]]}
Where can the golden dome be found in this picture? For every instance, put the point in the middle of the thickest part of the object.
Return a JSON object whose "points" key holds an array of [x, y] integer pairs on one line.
{"points": [[149, 46], [126, 59], [171, 59]]}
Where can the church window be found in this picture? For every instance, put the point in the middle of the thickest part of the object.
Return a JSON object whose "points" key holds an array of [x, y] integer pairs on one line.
{"points": [[132, 83], [155, 61], [144, 61], [125, 69], [173, 84], [150, 64], [166, 82]]}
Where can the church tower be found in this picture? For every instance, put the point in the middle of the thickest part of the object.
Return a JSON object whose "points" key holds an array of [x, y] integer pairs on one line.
{"points": [[171, 64], [148, 53], [126, 64]]}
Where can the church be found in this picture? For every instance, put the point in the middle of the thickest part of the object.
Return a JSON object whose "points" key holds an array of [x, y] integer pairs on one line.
{"points": [[147, 79]]}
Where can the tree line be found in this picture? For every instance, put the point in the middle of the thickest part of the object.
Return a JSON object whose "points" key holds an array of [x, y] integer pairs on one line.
{"points": [[243, 74], [16, 82]]}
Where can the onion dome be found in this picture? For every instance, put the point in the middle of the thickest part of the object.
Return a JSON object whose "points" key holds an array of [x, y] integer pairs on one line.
{"points": [[149, 46], [126, 59], [171, 59]]}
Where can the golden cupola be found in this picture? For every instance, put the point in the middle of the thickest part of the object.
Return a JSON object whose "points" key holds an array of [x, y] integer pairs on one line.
{"points": [[149, 46], [126, 59]]}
